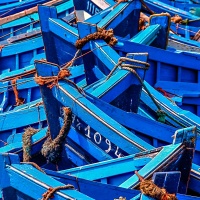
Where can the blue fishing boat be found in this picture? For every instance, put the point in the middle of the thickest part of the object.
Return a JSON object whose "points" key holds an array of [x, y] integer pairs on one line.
{"points": [[102, 48], [17, 42], [22, 23], [159, 7], [170, 71], [20, 51], [42, 184], [189, 6], [10, 7], [87, 116], [89, 80], [15, 138]]}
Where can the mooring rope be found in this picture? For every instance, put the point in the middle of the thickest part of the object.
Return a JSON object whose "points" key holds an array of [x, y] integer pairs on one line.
{"points": [[67, 64], [34, 165], [51, 81], [18, 100], [26, 140], [130, 67], [161, 114], [149, 188], [106, 35], [123, 59], [49, 193], [52, 148], [71, 62]]}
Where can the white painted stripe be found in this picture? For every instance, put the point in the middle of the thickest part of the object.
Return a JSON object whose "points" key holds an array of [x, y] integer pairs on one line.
{"points": [[101, 120], [38, 182]]}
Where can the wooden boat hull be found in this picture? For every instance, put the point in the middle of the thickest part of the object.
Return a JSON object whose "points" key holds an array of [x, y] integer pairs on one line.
{"points": [[9, 8], [180, 70]]}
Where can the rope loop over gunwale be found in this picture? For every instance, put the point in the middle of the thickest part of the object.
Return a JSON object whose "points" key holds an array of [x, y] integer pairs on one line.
{"points": [[148, 187], [52, 148]]}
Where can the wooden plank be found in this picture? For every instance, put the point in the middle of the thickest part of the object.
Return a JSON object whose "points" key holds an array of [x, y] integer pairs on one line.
{"points": [[26, 12]]}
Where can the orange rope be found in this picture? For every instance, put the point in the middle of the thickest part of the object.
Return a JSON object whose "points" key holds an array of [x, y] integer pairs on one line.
{"points": [[68, 63], [19, 101], [49, 193], [52, 80], [106, 35], [149, 188], [118, 2]]}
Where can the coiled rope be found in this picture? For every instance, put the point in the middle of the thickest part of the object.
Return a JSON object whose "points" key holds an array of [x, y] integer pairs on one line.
{"points": [[106, 35], [52, 149], [148, 187], [26, 140]]}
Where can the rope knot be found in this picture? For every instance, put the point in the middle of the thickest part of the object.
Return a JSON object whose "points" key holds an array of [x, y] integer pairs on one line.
{"points": [[63, 73], [51, 81], [106, 35]]}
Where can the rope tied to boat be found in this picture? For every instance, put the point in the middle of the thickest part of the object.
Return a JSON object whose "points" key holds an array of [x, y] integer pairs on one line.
{"points": [[18, 100], [118, 2], [49, 193], [34, 165], [142, 24], [1, 47], [71, 62], [197, 36], [106, 35], [26, 140], [52, 149], [122, 64], [131, 67], [161, 116], [51, 81], [160, 113], [149, 188], [176, 19]]}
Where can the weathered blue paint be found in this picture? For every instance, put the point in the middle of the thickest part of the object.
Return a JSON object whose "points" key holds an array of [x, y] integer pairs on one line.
{"points": [[85, 111], [10, 7], [164, 179], [28, 23], [180, 68], [39, 181], [189, 6], [121, 16], [33, 183], [158, 7]]}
